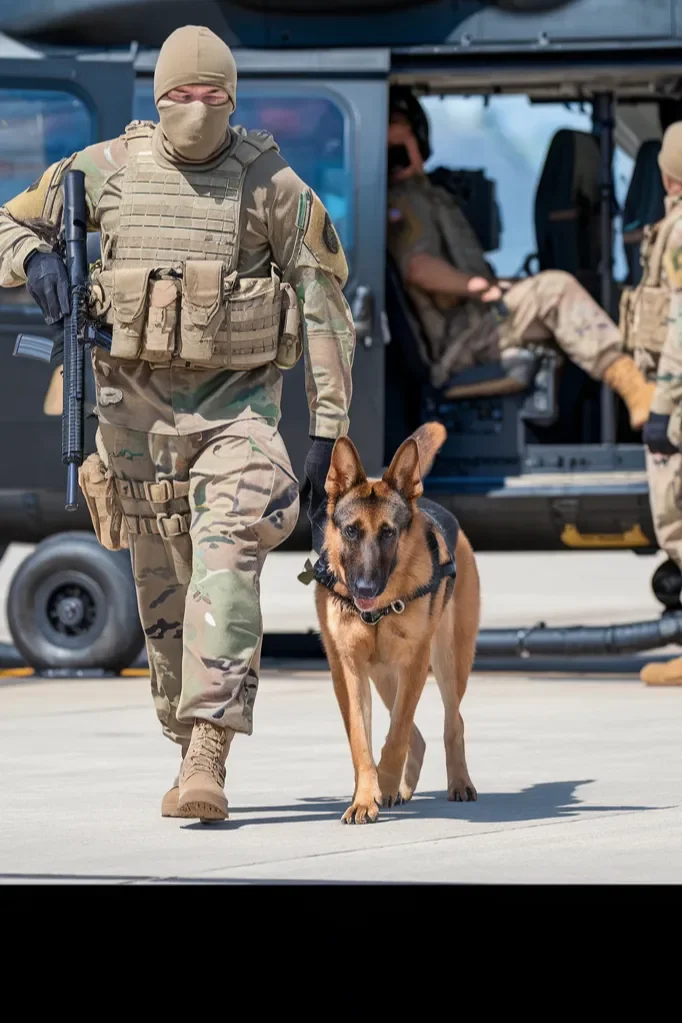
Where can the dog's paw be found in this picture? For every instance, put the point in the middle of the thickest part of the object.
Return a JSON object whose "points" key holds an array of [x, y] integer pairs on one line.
{"points": [[396, 795], [462, 791], [361, 812], [394, 790], [405, 792]]}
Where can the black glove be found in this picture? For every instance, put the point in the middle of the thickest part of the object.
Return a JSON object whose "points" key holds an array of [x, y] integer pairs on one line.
{"points": [[316, 468], [48, 283], [655, 435]]}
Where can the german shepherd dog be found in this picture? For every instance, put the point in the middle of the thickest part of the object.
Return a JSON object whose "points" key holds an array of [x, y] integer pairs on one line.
{"points": [[390, 606]]}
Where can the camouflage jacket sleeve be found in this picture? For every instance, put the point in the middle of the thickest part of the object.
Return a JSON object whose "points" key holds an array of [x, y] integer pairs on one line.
{"points": [[306, 247], [668, 393], [31, 221]]}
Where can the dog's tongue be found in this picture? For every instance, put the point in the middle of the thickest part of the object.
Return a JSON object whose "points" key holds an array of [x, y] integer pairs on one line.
{"points": [[365, 605]]}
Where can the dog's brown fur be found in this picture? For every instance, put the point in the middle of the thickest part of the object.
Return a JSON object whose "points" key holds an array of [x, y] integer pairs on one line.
{"points": [[396, 653]]}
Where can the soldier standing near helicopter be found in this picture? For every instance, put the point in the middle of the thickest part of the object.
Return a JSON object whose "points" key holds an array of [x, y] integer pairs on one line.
{"points": [[219, 267], [652, 322]]}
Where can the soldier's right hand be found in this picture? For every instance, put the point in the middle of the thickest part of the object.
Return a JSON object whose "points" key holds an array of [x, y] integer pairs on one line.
{"points": [[484, 290], [48, 283], [655, 435]]}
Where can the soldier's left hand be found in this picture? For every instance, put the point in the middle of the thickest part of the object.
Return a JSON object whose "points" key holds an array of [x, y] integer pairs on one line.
{"points": [[655, 435], [317, 465]]}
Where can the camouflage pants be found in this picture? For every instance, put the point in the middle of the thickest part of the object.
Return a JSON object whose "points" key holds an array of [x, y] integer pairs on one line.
{"points": [[203, 510], [553, 305], [664, 473], [665, 494]]}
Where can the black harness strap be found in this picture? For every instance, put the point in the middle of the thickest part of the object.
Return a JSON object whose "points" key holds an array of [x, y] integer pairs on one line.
{"points": [[322, 574]]}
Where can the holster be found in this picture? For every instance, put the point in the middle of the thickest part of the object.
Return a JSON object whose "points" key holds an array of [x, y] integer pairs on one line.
{"points": [[99, 490]]}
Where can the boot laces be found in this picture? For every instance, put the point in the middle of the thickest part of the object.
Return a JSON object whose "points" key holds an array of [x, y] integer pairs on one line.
{"points": [[207, 750]]}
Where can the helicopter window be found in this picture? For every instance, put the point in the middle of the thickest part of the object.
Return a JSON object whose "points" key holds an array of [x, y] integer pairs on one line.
{"points": [[37, 128], [508, 137], [312, 131]]}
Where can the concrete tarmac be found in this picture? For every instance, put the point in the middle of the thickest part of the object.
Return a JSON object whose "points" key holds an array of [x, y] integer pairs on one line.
{"points": [[578, 775], [578, 781]]}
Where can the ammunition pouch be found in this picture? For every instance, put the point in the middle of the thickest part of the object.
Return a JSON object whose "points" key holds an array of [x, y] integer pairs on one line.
{"points": [[204, 317], [643, 317]]}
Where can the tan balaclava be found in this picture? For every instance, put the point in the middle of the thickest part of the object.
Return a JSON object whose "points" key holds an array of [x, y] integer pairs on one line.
{"points": [[194, 132], [670, 158]]}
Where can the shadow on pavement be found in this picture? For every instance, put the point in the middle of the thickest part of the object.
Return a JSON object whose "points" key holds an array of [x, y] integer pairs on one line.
{"points": [[544, 801]]}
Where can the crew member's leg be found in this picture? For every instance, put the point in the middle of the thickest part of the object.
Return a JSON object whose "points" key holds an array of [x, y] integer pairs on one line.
{"points": [[554, 305], [665, 495], [244, 502]]}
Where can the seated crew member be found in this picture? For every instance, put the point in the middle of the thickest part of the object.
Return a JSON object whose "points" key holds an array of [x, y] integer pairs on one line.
{"points": [[466, 317]]}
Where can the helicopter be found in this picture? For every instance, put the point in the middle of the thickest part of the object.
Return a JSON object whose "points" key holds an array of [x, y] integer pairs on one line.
{"points": [[589, 84]]}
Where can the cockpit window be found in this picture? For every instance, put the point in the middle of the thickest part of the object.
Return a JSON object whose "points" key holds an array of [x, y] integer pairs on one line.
{"points": [[37, 128], [508, 137]]}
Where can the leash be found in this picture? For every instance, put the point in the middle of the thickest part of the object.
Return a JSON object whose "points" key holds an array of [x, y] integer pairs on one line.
{"points": [[321, 573]]}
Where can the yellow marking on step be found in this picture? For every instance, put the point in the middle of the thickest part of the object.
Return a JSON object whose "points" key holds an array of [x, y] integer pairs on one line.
{"points": [[634, 537]]}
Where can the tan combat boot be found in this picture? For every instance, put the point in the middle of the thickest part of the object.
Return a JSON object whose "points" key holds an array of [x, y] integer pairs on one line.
{"points": [[663, 673], [169, 803], [625, 379], [202, 775]]}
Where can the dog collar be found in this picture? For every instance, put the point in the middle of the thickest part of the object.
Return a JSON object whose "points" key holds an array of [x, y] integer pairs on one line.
{"points": [[321, 573]]}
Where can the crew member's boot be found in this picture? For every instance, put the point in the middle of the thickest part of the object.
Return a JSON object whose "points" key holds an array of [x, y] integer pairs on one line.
{"points": [[625, 379], [202, 775], [663, 673], [169, 803]]}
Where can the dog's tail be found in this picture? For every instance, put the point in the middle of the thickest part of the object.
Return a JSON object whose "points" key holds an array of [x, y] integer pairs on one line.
{"points": [[430, 439], [467, 605]]}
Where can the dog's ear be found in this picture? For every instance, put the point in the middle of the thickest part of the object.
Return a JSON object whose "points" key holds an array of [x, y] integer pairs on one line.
{"points": [[345, 470], [403, 474], [430, 439]]}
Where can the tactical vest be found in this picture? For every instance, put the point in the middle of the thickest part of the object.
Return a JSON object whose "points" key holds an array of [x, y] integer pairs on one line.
{"points": [[468, 327], [644, 310], [459, 238], [170, 289]]}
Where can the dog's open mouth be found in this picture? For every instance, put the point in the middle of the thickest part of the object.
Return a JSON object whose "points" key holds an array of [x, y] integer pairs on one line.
{"points": [[365, 605]]}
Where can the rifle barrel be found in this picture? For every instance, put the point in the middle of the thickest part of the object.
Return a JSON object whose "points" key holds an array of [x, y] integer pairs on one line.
{"points": [[75, 238]]}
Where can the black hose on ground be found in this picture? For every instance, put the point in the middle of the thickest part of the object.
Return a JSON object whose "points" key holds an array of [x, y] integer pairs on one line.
{"points": [[537, 641], [580, 640]]}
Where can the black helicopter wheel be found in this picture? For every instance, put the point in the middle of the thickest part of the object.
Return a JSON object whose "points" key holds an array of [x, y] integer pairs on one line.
{"points": [[72, 605]]}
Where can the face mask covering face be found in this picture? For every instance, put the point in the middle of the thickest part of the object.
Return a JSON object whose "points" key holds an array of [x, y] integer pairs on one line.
{"points": [[195, 131]]}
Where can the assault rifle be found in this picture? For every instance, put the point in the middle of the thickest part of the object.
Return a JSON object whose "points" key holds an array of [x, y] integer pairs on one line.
{"points": [[79, 332]]}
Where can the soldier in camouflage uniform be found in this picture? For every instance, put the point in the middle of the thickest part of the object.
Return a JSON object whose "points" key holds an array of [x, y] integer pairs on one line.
{"points": [[651, 315], [219, 267], [449, 283]]}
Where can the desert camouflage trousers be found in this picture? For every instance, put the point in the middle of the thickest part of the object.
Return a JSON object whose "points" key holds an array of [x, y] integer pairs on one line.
{"points": [[554, 306], [203, 510], [664, 473], [665, 495]]}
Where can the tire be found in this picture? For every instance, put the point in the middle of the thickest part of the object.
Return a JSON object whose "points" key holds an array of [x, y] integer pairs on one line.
{"points": [[72, 605]]}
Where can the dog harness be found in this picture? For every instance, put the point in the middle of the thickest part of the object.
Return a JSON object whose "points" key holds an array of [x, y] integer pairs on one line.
{"points": [[322, 574]]}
